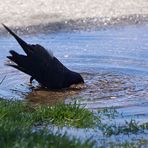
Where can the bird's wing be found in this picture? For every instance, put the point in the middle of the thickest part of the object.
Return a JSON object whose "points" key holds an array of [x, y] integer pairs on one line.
{"points": [[39, 64]]}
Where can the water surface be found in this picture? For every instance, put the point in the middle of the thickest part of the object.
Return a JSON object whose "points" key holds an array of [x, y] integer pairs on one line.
{"points": [[113, 62]]}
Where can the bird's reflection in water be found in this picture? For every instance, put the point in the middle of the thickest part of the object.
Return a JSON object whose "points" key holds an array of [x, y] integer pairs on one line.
{"points": [[45, 96]]}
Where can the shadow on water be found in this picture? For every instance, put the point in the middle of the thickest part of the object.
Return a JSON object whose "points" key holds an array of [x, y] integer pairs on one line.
{"points": [[43, 96]]}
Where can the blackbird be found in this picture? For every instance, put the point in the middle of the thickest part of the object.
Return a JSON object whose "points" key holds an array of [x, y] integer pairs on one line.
{"points": [[42, 65]]}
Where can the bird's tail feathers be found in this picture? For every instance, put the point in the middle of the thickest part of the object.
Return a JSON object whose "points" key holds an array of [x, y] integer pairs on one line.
{"points": [[22, 43], [14, 56]]}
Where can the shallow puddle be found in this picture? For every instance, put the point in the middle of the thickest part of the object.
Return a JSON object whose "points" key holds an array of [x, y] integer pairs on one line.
{"points": [[112, 61]]}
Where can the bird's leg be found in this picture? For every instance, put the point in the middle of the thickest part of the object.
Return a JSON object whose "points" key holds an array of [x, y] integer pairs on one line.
{"points": [[30, 82], [31, 79]]}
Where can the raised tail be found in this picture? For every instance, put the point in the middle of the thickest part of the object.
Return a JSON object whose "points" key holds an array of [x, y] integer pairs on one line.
{"points": [[22, 43]]}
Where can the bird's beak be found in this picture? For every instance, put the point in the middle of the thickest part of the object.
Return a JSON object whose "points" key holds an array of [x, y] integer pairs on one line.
{"points": [[78, 86]]}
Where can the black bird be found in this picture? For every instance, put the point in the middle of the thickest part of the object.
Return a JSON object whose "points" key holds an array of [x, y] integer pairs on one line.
{"points": [[42, 66]]}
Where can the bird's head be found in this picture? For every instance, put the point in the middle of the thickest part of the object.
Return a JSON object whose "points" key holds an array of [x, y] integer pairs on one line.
{"points": [[76, 78]]}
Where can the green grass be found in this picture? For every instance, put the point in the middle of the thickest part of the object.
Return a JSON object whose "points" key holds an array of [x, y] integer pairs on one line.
{"points": [[60, 114], [66, 115], [17, 120], [111, 128], [24, 138], [126, 129], [138, 144]]}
